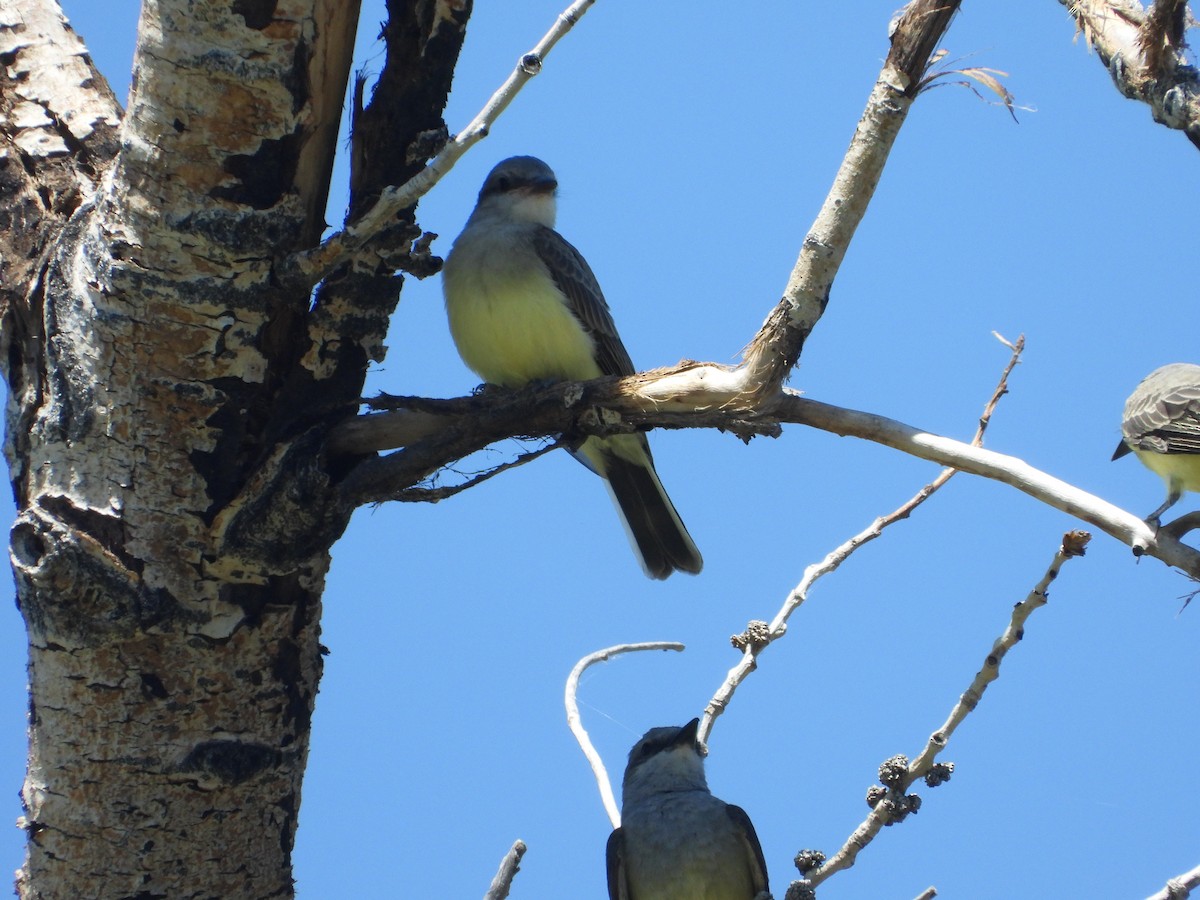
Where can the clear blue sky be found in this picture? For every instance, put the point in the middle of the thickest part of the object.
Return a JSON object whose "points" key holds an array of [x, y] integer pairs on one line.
{"points": [[693, 149]]}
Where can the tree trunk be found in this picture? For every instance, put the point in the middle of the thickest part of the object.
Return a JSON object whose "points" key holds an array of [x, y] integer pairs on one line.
{"points": [[169, 398]]}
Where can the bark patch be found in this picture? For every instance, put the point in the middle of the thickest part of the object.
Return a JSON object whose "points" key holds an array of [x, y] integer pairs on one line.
{"points": [[257, 13], [265, 176], [230, 761]]}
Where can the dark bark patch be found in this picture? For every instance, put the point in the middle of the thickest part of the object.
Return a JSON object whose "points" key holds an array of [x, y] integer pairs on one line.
{"points": [[152, 686], [74, 593], [265, 176], [258, 14], [251, 598], [284, 516], [107, 531], [27, 545], [297, 80], [288, 669], [230, 761]]}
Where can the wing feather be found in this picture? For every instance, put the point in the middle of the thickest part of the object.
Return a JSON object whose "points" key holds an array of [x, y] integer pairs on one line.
{"points": [[1166, 421], [573, 276], [757, 863], [618, 887]]}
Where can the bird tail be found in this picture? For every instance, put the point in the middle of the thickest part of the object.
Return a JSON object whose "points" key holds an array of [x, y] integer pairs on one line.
{"points": [[654, 528]]}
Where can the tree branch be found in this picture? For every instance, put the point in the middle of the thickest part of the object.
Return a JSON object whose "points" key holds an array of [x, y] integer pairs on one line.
{"points": [[893, 803], [660, 399], [777, 346], [1179, 887], [1144, 56], [759, 635], [575, 721], [509, 866], [434, 495], [309, 266]]}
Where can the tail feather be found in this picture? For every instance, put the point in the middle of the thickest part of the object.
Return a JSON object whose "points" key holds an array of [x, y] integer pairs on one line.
{"points": [[654, 528]]}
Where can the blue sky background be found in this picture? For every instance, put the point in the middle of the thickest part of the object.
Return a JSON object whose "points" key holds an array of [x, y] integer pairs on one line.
{"points": [[693, 147]]}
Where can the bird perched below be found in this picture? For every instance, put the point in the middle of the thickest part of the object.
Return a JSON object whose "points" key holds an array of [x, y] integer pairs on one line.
{"points": [[524, 306], [1162, 427], [677, 841]]}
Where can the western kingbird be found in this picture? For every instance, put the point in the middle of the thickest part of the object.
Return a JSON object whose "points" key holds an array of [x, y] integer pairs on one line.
{"points": [[524, 306], [677, 841], [1162, 427]]}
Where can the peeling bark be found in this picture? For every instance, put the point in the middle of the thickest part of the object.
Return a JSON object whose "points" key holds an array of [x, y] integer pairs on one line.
{"points": [[1143, 51], [168, 404]]}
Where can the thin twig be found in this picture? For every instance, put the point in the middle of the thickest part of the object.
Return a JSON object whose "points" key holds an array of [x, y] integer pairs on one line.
{"points": [[1179, 887], [894, 797], [433, 495], [1074, 543], [759, 636], [314, 264], [928, 894], [575, 722], [509, 866]]}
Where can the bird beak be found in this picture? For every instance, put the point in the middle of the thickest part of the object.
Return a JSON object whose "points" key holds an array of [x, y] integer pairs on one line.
{"points": [[687, 734]]}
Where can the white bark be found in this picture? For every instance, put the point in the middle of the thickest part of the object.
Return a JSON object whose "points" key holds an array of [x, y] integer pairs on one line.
{"points": [[164, 432]]}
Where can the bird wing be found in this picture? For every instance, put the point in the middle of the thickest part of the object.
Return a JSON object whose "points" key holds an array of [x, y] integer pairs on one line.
{"points": [[618, 887], [573, 276], [1167, 422], [757, 864]]}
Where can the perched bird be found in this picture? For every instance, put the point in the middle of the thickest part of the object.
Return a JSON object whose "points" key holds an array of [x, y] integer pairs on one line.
{"points": [[1162, 427], [677, 841], [524, 306]]}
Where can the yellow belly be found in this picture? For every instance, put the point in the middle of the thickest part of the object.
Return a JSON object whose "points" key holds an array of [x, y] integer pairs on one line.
{"points": [[1180, 470], [512, 326]]}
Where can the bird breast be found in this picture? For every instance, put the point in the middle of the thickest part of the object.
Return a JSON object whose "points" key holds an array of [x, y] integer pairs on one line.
{"points": [[511, 323]]}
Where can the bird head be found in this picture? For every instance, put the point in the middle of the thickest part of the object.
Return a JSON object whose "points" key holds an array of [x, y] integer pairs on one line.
{"points": [[665, 759], [521, 187]]}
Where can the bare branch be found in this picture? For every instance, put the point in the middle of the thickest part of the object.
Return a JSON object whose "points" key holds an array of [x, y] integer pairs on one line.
{"points": [[777, 346], [575, 722], [667, 398], [1124, 526], [759, 635], [1179, 887], [892, 803], [1144, 56], [509, 866], [310, 266], [1074, 544], [434, 495]]}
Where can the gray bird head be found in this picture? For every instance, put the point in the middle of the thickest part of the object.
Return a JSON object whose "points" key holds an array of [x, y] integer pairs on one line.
{"points": [[520, 188], [665, 759]]}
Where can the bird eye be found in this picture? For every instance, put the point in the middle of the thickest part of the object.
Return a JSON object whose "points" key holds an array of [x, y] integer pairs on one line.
{"points": [[503, 183]]}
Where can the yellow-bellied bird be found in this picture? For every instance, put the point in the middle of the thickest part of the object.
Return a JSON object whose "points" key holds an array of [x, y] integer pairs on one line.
{"points": [[677, 841], [1162, 427], [524, 306]]}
